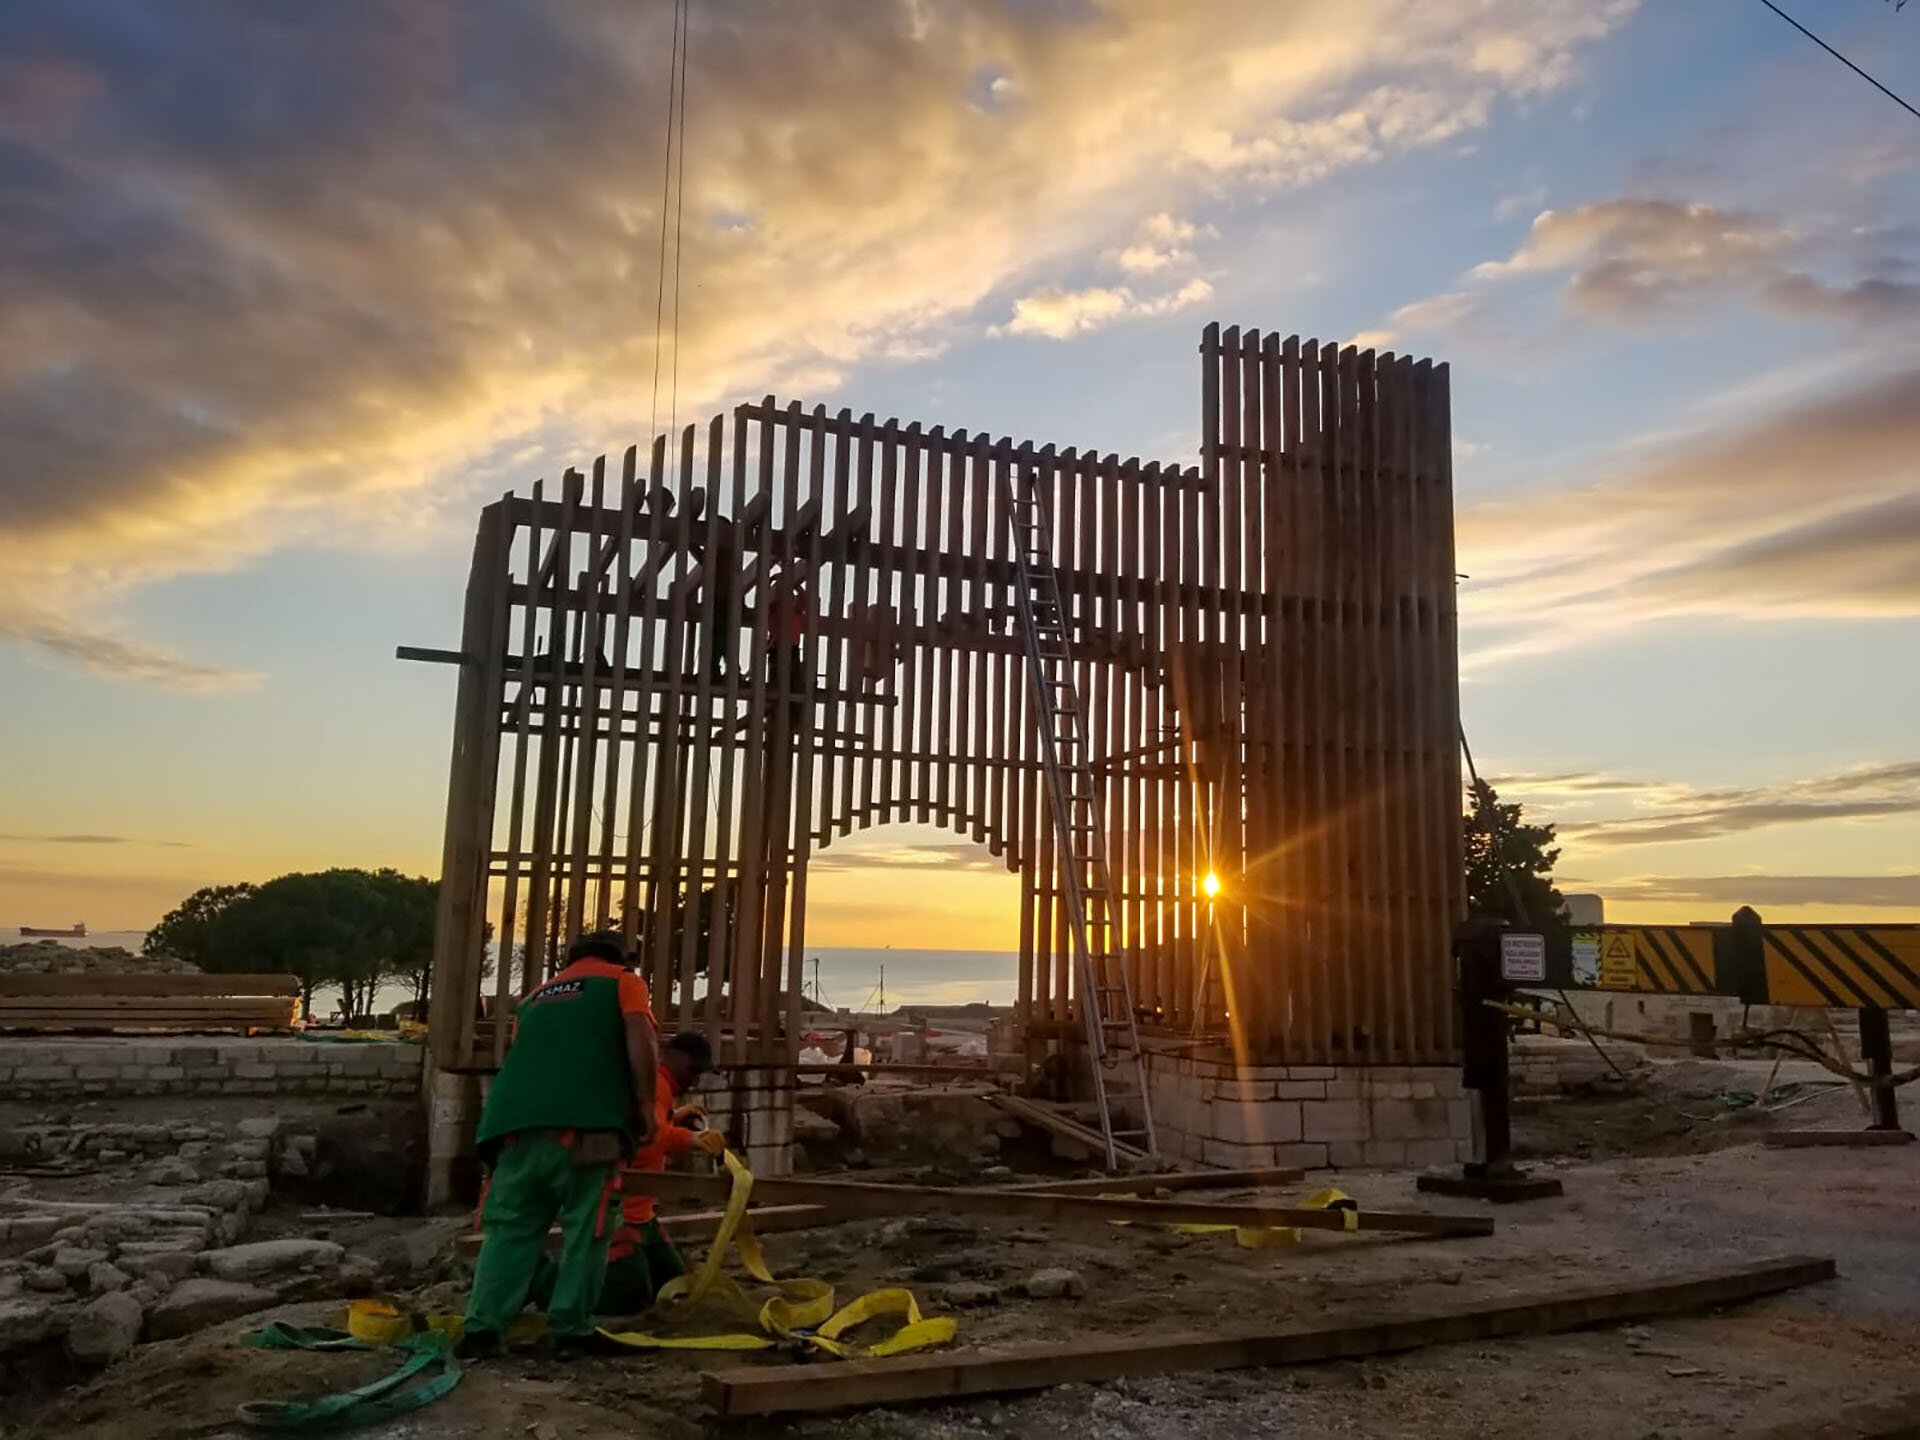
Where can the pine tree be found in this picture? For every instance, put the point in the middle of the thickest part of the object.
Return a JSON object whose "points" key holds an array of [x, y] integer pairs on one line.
{"points": [[1510, 865]]}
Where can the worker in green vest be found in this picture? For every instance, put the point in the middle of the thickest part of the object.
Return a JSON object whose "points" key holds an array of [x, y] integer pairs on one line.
{"points": [[575, 1096]]}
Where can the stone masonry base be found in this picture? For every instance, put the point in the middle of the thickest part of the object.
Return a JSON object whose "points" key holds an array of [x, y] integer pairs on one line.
{"points": [[55, 1067], [1210, 1111], [753, 1108]]}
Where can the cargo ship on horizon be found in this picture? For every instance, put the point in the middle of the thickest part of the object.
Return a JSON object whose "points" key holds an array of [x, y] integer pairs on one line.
{"points": [[35, 932]]}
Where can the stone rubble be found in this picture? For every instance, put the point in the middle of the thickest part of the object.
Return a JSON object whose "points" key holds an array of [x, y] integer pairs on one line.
{"points": [[105, 1330], [197, 1303]]}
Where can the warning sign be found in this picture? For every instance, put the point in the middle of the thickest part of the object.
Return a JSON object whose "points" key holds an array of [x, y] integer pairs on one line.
{"points": [[1617, 960], [1586, 957], [1523, 959]]}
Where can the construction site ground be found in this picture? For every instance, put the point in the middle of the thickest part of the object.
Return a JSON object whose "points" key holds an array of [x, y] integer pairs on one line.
{"points": [[1711, 1195]]}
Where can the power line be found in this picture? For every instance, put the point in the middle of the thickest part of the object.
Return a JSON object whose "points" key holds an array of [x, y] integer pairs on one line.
{"points": [[679, 210], [1841, 58], [666, 188]]}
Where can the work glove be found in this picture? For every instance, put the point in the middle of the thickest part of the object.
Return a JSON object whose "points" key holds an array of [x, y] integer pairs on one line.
{"points": [[711, 1142]]}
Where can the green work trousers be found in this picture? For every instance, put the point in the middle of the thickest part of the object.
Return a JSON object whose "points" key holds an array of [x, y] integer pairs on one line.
{"points": [[535, 1182], [632, 1281]]}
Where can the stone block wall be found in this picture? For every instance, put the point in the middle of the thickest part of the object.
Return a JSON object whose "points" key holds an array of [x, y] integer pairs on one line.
{"points": [[755, 1109], [48, 1067], [1209, 1111]]}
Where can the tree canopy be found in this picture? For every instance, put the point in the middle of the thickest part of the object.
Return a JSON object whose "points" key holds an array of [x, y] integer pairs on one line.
{"points": [[1510, 865], [357, 929]]}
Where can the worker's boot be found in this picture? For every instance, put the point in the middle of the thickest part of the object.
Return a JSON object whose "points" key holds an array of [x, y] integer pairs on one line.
{"points": [[480, 1345]]}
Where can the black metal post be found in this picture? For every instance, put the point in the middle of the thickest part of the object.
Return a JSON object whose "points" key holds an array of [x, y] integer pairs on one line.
{"points": [[1483, 1037], [1483, 1066], [1876, 1048]]}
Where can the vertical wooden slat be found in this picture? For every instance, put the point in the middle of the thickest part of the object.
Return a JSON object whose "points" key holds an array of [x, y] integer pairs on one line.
{"points": [[700, 638], [906, 715], [1369, 728], [857, 714], [516, 815], [1451, 874], [667, 856], [1402, 710], [744, 964], [472, 777], [885, 716], [928, 657], [979, 686], [1280, 398], [807, 711], [1314, 710], [1002, 837], [619, 568], [639, 880], [832, 597], [726, 898], [547, 778], [580, 843]]}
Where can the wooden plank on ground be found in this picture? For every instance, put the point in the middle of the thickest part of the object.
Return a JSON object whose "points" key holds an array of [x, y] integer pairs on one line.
{"points": [[179, 986], [850, 1200], [1176, 1180], [697, 1227], [782, 1389]]}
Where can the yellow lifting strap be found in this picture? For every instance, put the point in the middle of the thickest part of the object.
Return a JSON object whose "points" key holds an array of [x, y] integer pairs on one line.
{"points": [[801, 1313]]}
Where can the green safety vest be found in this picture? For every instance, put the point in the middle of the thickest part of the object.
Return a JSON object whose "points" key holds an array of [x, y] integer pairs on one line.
{"points": [[568, 1066]]}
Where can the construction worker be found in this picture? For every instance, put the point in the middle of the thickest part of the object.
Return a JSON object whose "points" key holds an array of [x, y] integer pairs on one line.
{"points": [[577, 1093], [640, 1257]]}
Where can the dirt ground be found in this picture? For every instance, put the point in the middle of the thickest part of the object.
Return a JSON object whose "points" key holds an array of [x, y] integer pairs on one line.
{"points": [[1720, 1198]]}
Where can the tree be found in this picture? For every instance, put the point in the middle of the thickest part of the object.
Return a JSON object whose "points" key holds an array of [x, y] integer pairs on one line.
{"points": [[184, 932], [354, 928], [411, 904], [1510, 865]]}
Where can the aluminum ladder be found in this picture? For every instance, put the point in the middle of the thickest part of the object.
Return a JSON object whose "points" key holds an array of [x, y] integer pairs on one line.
{"points": [[1105, 992]]}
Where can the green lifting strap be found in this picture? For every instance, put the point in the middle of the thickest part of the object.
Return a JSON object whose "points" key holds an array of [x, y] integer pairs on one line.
{"points": [[428, 1372]]}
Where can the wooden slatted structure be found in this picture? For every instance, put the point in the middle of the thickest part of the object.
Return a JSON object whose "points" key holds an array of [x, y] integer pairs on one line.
{"points": [[678, 686]]}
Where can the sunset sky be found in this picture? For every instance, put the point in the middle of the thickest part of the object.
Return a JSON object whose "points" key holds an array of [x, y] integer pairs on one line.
{"points": [[288, 290]]}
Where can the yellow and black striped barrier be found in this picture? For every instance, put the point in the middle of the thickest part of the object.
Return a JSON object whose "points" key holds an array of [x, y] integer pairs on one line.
{"points": [[1849, 967], [1856, 966]]}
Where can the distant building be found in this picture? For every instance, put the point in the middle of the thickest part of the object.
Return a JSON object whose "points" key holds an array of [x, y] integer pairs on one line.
{"points": [[1586, 909]]}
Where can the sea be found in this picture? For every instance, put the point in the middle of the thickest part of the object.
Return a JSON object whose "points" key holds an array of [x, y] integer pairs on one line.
{"points": [[845, 977]]}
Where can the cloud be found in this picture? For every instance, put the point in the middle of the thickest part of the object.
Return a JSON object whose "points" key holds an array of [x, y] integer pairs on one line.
{"points": [[1063, 314], [272, 274], [1887, 892], [957, 855], [1681, 813], [1806, 511], [1643, 259], [1162, 242], [1520, 203], [114, 655], [91, 840], [1647, 260]]}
